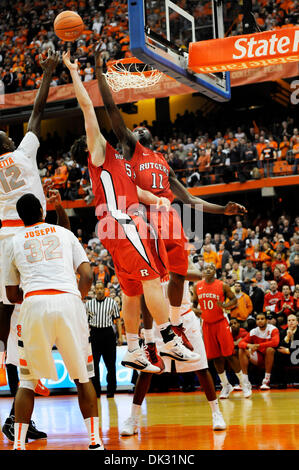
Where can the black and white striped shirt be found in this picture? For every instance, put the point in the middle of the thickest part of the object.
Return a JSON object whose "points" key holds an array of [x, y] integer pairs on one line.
{"points": [[101, 313]]}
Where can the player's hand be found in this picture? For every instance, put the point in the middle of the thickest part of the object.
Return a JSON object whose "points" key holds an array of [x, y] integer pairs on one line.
{"points": [[232, 208], [72, 66], [50, 63], [54, 197], [283, 350], [98, 56], [220, 304], [163, 202], [47, 186]]}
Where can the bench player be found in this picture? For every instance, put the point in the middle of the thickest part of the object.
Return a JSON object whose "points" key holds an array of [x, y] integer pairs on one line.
{"points": [[19, 175], [192, 327], [44, 259], [152, 173], [126, 236]]}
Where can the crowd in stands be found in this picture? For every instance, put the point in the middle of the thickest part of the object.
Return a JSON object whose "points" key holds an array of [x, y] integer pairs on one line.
{"points": [[26, 30], [233, 155]]}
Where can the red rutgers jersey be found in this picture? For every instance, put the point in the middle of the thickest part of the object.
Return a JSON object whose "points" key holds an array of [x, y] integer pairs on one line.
{"points": [[112, 187], [208, 295], [151, 171]]}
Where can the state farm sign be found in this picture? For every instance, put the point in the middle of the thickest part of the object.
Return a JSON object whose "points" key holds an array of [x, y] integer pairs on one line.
{"points": [[244, 52]]}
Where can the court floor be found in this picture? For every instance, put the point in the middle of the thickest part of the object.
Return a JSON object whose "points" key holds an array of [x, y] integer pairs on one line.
{"points": [[171, 421]]}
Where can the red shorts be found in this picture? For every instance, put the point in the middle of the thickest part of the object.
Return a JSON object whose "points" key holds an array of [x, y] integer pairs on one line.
{"points": [[258, 359], [218, 339], [136, 254], [172, 233]]}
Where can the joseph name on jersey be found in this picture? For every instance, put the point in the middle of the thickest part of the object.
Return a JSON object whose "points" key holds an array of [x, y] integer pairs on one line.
{"points": [[18, 176], [44, 256]]}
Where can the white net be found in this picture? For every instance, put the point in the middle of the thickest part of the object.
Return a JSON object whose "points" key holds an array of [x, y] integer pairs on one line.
{"points": [[131, 75]]}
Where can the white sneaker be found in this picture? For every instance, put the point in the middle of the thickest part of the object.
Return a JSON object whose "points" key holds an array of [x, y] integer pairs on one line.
{"points": [[130, 427], [177, 351], [238, 388], [226, 390], [218, 421], [247, 390], [137, 360], [265, 385]]}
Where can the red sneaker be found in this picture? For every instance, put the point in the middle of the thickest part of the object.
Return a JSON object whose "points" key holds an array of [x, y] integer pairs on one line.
{"points": [[179, 330], [40, 389], [152, 355]]}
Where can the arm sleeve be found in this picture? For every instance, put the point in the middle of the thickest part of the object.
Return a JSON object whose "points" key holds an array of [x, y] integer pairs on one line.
{"points": [[29, 145], [12, 275], [243, 343], [272, 343]]}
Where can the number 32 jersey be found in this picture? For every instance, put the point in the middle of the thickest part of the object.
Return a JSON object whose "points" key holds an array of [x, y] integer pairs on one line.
{"points": [[19, 175]]}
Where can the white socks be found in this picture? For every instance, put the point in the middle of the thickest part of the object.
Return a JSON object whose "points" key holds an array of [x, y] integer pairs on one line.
{"points": [[149, 336], [241, 377], [20, 435], [175, 315], [135, 411], [133, 341], [214, 406], [92, 426], [223, 379]]}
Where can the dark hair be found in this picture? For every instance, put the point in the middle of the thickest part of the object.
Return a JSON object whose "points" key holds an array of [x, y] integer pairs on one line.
{"points": [[29, 209], [78, 150], [261, 313]]}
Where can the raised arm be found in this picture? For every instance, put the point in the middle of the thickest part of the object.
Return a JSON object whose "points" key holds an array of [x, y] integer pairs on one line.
{"points": [[231, 208], [48, 65], [96, 142], [123, 134]]}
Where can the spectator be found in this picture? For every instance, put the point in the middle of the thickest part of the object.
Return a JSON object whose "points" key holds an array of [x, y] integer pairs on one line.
{"points": [[271, 298], [294, 269], [267, 158], [288, 345], [73, 182], [249, 271], [286, 305], [256, 296], [244, 306]]}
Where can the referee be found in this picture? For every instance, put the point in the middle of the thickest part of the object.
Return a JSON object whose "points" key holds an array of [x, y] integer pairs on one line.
{"points": [[102, 311]]}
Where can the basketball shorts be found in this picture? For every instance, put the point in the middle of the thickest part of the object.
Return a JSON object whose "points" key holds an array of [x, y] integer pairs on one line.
{"points": [[172, 233], [137, 252], [257, 358], [193, 332], [218, 339], [5, 234], [48, 320]]}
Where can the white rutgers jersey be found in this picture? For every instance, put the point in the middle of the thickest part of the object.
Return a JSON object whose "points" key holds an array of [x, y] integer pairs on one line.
{"points": [[43, 256], [18, 176]]}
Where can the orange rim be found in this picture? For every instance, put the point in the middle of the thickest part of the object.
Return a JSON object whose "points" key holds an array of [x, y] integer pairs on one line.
{"points": [[112, 67]]}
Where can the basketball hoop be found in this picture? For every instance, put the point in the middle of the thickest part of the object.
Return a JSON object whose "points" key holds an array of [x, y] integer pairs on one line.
{"points": [[131, 73]]}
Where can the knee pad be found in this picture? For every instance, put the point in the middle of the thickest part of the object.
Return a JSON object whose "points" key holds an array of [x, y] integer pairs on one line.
{"points": [[30, 384]]}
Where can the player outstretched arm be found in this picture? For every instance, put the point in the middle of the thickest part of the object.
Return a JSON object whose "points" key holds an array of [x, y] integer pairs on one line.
{"points": [[53, 197], [231, 208], [148, 198], [96, 142], [48, 65], [123, 134]]}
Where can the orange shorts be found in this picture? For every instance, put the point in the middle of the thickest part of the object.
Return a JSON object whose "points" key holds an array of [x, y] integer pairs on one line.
{"points": [[136, 253], [218, 339], [172, 233]]}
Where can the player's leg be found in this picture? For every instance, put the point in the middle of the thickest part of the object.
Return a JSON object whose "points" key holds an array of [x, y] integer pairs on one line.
{"points": [[87, 399], [269, 361], [227, 388], [244, 360], [149, 337], [96, 354], [175, 296], [130, 426], [24, 403], [109, 357], [158, 307], [206, 381]]}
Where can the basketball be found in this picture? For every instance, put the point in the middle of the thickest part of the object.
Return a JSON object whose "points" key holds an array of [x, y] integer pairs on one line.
{"points": [[68, 25]]}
